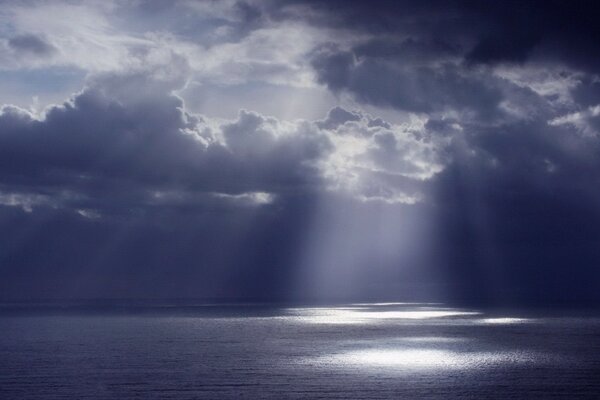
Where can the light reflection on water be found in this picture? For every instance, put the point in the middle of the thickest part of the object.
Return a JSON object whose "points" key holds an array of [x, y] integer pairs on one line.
{"points": [[369, 315], [505, 320], [356, 351], [409, 353], [394, 304], [425, 358]]}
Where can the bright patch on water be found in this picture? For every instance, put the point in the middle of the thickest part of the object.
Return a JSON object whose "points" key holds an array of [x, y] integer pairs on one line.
{"points": [[426, 358], [360, 315], [501, 321], [349, 352]]}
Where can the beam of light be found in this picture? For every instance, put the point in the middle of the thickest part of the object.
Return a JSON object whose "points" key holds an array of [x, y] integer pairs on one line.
{"points": [[356, 250], [368, 234]]}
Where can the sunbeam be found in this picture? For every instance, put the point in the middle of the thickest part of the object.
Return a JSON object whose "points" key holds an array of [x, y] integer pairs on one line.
{"points": [[351, 199]]}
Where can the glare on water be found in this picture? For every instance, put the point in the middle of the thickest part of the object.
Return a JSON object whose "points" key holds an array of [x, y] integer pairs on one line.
{"points": [[359, 315], [356, 351], [425, 358]]}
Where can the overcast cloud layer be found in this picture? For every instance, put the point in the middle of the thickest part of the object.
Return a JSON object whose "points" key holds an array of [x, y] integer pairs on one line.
{"points": [[298, 150]]}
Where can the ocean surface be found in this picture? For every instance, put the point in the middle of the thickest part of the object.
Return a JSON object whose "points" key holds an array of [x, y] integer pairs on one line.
{"points": [[353, 351]]}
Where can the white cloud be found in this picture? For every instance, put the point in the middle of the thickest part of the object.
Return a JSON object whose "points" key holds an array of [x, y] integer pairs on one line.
{"points": [[275, 54], [553, 83], [385, 163], [580, 120], [24, 201], [253, 198]]}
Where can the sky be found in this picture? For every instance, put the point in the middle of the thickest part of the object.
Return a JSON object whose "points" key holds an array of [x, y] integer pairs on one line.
{"points": [[301, 151]]}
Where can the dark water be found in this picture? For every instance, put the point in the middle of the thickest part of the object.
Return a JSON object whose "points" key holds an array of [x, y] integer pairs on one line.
{"points": [[349, 352]]}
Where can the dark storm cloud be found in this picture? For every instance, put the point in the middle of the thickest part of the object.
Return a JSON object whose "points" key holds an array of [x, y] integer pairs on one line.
{"points": [[401, 85], [519, 221], [425, 56], [483, 32], [110, 138], [588, 92], [194, 252], [122, 191], [538, 29], [518, 200]]}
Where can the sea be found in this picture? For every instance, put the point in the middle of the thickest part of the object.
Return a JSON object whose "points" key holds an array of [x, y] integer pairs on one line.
{"points": [[256, 351]]}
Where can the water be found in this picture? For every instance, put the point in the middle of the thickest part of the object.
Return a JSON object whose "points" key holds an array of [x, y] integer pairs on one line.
{"points": [[358, 351]]}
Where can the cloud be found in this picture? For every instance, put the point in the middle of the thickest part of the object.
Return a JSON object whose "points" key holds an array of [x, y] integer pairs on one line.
{"points": [[249, 198], [385, 82], [376, 161], [336, 117], [481, 118], [585, 121], [32, 44], [131, 131], [508, 142], [513, 32]]}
